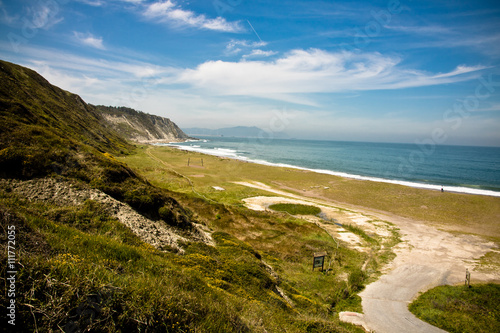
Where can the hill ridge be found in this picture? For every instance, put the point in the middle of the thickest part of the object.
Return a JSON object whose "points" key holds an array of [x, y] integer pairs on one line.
{"points": [[141, 127]]}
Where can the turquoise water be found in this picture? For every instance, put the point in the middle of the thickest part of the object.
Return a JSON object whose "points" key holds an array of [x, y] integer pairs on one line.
{"points": [[455, 168]]}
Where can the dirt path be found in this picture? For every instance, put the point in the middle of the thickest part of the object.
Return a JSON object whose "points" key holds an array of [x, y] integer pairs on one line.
{"points": [[426, 258]]}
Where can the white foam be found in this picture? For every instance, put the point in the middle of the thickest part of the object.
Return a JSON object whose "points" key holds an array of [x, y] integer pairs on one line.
{"points": [[230, 153], [221, 152]]}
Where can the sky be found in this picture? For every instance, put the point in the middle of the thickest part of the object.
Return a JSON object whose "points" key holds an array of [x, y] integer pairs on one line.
{"points": [[423, 72]]}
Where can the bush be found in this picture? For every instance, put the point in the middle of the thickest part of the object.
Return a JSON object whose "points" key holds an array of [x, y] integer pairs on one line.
{"points": [[166, 214]]}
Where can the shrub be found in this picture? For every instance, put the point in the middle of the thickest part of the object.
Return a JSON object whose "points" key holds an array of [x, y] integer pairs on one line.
{"points": [[166, 214]]}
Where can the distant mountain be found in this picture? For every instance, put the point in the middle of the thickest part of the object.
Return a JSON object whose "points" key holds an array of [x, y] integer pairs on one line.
{"points": [[141, 127], [238, 131]]}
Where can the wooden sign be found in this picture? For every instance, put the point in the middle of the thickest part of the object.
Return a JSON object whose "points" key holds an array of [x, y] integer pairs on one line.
{"points": [[319, 260]]}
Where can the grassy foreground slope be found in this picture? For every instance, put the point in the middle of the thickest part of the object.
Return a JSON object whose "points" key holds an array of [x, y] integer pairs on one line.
{"points": [[459, 309], [80, 269]]}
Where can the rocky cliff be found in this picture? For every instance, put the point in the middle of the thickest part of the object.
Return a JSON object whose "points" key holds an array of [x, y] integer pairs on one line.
{"points": [[141, 127]]}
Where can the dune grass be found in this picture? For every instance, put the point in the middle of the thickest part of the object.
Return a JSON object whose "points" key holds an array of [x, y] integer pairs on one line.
{"points": [[459, 309]]}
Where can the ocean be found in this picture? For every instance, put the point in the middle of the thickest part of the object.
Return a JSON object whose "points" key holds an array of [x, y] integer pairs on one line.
{"points": [[465, 169]]}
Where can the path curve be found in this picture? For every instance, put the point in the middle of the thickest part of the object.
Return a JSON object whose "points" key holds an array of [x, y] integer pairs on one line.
{"points": [[426, 258]]}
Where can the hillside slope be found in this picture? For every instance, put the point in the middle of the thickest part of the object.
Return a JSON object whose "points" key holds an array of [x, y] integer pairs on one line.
{"points": [[141, 127], [44, 129]]}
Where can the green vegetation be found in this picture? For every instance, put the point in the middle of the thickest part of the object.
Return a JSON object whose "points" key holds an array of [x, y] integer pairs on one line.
{"points": [[474, 214], [459, 309], [360, 232], [79, 259], [296, 209]]}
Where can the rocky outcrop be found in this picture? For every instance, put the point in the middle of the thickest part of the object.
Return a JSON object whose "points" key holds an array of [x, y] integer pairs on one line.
{"points": [[141, 127]]}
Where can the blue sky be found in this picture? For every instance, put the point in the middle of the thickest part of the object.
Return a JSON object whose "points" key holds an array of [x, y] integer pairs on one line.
{"points": [[388, 71]]}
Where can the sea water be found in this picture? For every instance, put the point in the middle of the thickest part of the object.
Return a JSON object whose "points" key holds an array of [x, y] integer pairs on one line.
{"points": [[465, 169]]}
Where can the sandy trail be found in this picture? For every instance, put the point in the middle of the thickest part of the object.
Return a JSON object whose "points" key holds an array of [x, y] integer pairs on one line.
{"points": [[426, 258]]}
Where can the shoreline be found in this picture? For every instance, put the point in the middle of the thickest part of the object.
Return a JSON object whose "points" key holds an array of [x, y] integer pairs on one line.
{"points": [[229, 153]]}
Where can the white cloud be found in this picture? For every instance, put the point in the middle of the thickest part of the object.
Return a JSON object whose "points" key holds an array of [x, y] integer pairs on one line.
{"points": [[89, 40], [432, 30], [94, 3], [314, 71], [98, 3], [236, 46], [259, 53], [168, 12], [461, 69]]}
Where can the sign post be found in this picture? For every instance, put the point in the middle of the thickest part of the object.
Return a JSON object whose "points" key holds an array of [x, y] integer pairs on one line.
{"points": [[319, 260], [467, 277]]}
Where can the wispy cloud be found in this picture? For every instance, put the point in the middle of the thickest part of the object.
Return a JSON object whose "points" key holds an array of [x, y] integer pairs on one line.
{"points": [[489, 107], [235, 47], [6, 18], [98, 3], [315, 71], [94, 3], [421, 29], [40, 15], [461, 69], [89, 40], [170, 13], [259, 53], [44, 15], [481, 37], [125, 69]]}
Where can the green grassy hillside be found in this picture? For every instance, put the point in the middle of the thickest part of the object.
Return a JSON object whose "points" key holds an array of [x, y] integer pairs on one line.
{"points": [[43, 129], [78, 268]]}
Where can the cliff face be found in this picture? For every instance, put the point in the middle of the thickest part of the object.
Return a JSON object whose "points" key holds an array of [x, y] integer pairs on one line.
{"points": [[141, 127]]}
